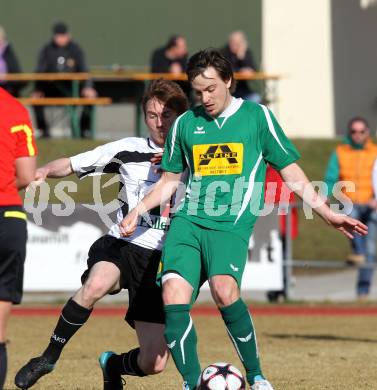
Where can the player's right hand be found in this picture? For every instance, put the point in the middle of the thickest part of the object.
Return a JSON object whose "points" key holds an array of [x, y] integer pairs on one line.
{"points": [[39, 178], [129, 223], [40, 175]]}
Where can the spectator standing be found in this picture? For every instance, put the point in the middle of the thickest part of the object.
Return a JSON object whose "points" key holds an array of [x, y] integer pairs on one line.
{"points": [[9, 64], [237, 51], [353, 161], [64, 55], [18, 162]]}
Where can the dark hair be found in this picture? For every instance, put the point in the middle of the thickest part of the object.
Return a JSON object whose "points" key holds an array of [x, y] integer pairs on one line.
{"points": [[357, 119], [59, 28], [172, 41], [200, 61], [169, 93]]}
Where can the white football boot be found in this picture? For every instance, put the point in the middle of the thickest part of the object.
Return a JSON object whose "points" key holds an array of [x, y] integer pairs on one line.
{"points": [[262, 384]]}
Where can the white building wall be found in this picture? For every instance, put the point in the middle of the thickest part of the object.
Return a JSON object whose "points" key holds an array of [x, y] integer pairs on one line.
{"points": [[296, 43]]}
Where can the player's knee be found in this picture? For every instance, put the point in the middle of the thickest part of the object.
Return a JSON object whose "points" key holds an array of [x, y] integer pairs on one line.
{"points": [[94, 289], [225, 294], [152, 365], [168, 296], [175, 293]]}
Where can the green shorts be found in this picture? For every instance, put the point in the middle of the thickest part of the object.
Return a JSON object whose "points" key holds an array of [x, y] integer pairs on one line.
{"points": [[198, 253]]}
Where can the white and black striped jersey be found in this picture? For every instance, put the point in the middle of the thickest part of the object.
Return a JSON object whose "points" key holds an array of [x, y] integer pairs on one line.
{"points": [[130, 158]]}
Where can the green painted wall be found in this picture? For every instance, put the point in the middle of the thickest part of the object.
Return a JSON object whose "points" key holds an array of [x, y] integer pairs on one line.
{"points": [[125, 32]]}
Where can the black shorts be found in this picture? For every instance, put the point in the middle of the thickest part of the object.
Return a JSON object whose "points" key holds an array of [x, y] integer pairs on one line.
{"points": [[13, 238], [138, 268]]}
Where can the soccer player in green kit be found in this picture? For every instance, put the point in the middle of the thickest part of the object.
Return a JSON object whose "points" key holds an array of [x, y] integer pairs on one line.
{"points": [[226, 144]]}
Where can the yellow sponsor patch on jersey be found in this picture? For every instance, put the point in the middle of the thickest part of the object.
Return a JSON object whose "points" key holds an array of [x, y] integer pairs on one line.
{"points": [[218, 159]]}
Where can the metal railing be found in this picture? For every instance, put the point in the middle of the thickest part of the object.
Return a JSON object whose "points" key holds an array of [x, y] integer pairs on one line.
{"points": [[289, 263]]}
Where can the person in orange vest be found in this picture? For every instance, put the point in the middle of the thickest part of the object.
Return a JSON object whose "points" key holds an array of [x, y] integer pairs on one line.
{"points": [[353, 161]]}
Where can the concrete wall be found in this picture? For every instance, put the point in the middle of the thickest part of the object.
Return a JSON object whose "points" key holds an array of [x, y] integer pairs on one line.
{"points": [[354, 31], [326, 53], [296, 42]]}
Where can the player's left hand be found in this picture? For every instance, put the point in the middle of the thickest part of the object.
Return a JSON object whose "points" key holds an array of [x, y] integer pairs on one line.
{"points": [[156, 159], [347, 225], [129, 223]]}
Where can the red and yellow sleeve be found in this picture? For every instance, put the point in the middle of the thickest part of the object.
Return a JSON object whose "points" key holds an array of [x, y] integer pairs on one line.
{"points": [[25, 140]]}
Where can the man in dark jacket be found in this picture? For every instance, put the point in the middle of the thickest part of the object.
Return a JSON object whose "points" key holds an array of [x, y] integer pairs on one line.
{"points": [[9, 64], [170, 58], [66, 56]]}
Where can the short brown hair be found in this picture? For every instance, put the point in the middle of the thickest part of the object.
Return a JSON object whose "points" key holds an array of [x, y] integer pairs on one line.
{"points": [[167, 92]]}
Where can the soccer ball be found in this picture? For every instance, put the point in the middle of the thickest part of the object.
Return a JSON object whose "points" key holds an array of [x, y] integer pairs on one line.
{"points": [[221, 376]]}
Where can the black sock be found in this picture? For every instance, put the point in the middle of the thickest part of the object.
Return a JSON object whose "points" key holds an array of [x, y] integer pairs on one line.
{"points": [[125, 364], [73, 316], [3, 364]]}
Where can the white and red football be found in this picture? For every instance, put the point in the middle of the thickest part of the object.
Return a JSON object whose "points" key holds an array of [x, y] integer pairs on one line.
{"points": [[221, 376]]}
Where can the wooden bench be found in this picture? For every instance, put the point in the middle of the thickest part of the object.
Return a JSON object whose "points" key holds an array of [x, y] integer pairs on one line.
{"points": [[71, 103], [66, 101], [268, 80]]}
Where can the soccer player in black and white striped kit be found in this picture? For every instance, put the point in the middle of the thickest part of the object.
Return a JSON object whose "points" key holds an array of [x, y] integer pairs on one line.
{"points": [[115, 262]]}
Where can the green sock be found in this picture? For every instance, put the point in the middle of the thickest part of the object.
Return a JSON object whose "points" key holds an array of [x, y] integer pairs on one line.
{"points": [[181, 339], [241, 331]]}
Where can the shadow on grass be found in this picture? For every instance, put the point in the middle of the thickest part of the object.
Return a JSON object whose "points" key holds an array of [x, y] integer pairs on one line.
{"points": [[319, 337]]}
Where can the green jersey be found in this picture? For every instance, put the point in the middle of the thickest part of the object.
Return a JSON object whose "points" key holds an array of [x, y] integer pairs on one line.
{"points": [[226, 158]]}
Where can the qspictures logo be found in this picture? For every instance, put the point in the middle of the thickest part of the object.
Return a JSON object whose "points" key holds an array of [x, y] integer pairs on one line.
{"points": [[218, 159]]}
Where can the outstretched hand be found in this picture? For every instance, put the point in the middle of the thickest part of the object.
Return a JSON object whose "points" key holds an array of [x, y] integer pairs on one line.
{"points": [[347, 225], [39, 178], [40, 175]]}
